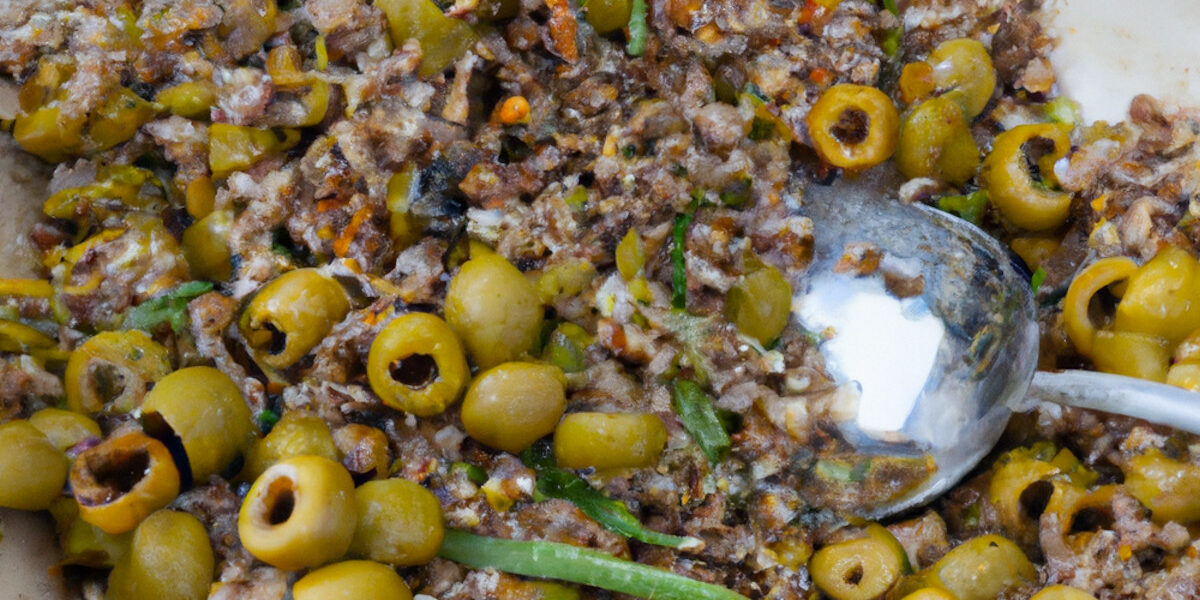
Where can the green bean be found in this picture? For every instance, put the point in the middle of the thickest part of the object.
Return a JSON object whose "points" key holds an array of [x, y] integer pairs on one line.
{"points": [[578, 565]]}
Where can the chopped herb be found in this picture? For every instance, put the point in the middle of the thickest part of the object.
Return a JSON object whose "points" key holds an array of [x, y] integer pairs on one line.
{"points": [[577, 197], [1036, 280], [267, 420], [891, 41], [474, 473], [891, 7], [679, 170], [565, 562], [638, 30], [760, 129], [737, 194], [613, 515], [700, 419], [1063, 110], [169, 307], [969, 207], [678, 265], [754, 90], [629, 151]]}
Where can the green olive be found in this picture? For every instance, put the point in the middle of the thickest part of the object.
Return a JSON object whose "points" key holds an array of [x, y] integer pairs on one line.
{"points": [[936, 142], [606, 16], [512, 405], [1062, 592], [64, 428], [494, 309], [760, 304], [352, 580], [417, 365], [1168, 487], [299, 513], [112, 370], [170, 558], [190, 99], [982, 568], [858, 569], [83, 543], [963, 70], [297, 433], [205, 408], [609, 441], [206, 246], [122, 480], [443, 38], [32, 470], [291, 315], [399, 522]]}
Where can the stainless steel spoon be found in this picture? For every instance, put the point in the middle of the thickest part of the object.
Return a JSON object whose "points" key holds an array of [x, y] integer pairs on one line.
{"points": [[939, 372]]}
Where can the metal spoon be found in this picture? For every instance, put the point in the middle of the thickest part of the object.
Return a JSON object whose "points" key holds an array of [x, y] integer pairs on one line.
{"points": [[940, 371]]}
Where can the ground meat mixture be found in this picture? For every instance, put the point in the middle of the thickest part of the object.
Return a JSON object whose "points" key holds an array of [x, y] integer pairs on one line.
{"points": [[641, 180]]}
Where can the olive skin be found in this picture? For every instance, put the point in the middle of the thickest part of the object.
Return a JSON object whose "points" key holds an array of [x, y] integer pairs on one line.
{"points": [[399, 522], [299, 513], [111, 371], [417, 365], [352, 580], [205, 245], [170, 558], [291, 315], [609, 441], [297, 433], [32, 469], [64, 428], [205, 408], [760, 304], [512, 405], [494, 309]]}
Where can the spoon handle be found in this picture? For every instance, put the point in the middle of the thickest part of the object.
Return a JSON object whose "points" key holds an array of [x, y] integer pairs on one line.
{"points": [[1153, 402]]}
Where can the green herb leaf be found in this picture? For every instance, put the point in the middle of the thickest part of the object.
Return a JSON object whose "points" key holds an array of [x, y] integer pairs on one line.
{"points": [[678, 265], [613, 515], [1035, 282], [267, 420], [891, 7], [475, 474], [969, 207], [169, 307], [1063, 110], [700, 419], [638, 30], [565, 562], [891, 41]]}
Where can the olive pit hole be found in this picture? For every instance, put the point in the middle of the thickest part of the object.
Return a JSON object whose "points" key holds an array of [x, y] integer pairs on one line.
{"points": [[1091, 519], [1035, 498], [108, 381], [1034, 150], [278, 342], [854, 576], [415, 370], [852, 126], [117, 473], [280, 501]]}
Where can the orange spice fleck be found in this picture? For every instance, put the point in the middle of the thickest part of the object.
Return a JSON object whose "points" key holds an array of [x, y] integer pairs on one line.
{"points": [[514, 110], [342, 245], [820, 76], [1125, 552]]}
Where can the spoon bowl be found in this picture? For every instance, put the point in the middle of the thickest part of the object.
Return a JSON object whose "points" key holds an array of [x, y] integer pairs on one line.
{"points": [[930, 348]]}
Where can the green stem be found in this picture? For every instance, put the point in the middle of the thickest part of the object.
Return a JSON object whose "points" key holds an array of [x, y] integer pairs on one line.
{"points": [[578, 565]]}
